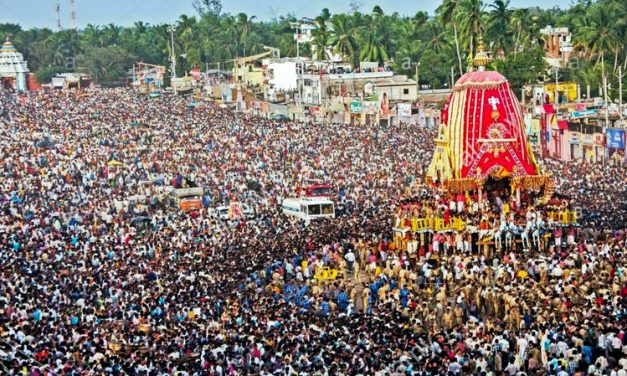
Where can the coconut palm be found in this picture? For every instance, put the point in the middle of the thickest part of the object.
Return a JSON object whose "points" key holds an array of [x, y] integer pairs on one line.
{"points": [[374, 49], [600, 35], [499, 29], [245, 23], [420, 19], [472, 27], [447, 12], [342, 38], [321, 36], [436, 37], [521, 19], [377, 10], [93, 35], [111, 34]]}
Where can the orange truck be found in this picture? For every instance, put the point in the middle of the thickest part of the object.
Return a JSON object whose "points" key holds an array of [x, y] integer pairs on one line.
{"points": [[187, 199]]}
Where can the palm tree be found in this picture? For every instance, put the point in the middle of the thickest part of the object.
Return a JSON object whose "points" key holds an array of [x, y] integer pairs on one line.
{"points": [[471, 13], [521, 18], [420, 19], [245, 23], [601, 35], [342, 37], [447, 12], [436, 38], [321, 37], [111, 34], [499, 29], [374, 49], [93, 35]]}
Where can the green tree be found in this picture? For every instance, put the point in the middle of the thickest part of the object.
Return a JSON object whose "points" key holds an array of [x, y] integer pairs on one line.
{"points": [[447, 12], [523, 69], [499, 29], [471, 20], [374, 49], [106, 65], [342, 38]]}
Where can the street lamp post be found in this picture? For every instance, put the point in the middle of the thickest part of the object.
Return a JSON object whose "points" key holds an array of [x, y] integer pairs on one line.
{"points": [[417, 79], [173, 56]]}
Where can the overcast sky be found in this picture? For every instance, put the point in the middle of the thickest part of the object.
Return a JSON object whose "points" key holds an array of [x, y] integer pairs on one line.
{"points": [[40, 13]]}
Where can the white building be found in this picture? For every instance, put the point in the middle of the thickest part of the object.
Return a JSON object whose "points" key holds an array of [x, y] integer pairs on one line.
{"points": [[13, 68], [397, 88]]}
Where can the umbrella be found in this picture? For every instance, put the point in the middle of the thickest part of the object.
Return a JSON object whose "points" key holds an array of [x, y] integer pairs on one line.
{"points": [[523, 274], [114, 163], [140, 220]]}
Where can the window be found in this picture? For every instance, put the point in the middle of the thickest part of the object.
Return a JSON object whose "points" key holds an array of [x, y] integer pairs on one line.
{"points": [[327, 209], [405, 91], [314, 210]]}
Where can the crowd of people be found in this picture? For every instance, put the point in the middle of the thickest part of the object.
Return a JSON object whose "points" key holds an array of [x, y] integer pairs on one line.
{"points": [[86, 291]]}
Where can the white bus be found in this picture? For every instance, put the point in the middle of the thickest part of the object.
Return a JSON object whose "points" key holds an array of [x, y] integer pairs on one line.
{"points": [[308, 208]]}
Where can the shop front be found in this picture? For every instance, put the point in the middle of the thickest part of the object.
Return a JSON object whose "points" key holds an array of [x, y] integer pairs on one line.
{"points": [[599, 146], [589, 150], [576, 151]]}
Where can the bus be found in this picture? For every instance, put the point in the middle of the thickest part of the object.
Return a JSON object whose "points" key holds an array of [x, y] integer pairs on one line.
{"points": [[308, 208]]}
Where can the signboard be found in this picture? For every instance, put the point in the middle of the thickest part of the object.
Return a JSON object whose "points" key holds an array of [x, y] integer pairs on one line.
{"points": [[371, 107], [565, 89], [615, 138], [355, 107], [403, 109], [574, 139], [588, 139], [579, 114], [599, 139]]}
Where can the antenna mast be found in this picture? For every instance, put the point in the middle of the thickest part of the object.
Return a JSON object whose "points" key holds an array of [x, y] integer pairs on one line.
{"points": [[57, 9], [72, 14]]}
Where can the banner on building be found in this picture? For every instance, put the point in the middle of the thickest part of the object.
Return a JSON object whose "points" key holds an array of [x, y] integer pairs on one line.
{"points": [[615, 138], [584, 113], [370, 107], [403, 109], [355, 107]]}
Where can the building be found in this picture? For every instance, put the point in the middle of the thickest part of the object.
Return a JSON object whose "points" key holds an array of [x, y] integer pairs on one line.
{"points": [[397, 88], [558, 46], [13, 68], [281, 78], [329, 80]]}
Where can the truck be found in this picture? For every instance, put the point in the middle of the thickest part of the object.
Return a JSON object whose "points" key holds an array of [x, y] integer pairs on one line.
{"points": [[187, 199]]}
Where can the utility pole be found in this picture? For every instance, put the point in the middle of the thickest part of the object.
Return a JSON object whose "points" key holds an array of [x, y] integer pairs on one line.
{"points": [[452, 77], [556, 92], [417, 65], [607, 106], [620, 76], [171, 30], [296, 27]]}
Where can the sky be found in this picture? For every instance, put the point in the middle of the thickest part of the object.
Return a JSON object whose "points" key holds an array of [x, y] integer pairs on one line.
{"points": [[41, 13]]}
